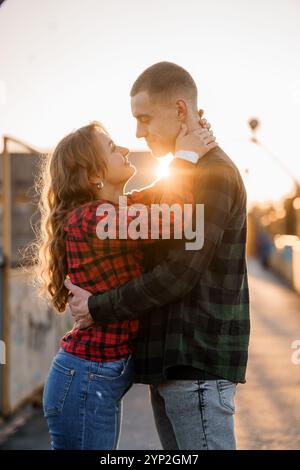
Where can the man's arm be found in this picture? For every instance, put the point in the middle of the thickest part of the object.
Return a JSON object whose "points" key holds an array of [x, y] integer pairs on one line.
{"points": [[179, 273]]}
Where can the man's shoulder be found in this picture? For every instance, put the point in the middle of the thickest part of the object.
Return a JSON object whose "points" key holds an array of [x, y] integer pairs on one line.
{"points": [[217, 161], [215, 157]]}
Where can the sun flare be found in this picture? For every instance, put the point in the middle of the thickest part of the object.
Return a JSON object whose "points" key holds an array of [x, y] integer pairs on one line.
{"points": [[163, 166]]}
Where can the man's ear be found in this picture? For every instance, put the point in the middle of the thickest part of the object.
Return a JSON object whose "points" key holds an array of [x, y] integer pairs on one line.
{"points": [[182, 109]]}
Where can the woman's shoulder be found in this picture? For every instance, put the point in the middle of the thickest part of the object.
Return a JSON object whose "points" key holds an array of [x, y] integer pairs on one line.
{"points": [[76, 215]]}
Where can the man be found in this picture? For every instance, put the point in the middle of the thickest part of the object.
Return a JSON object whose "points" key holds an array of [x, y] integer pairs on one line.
{"points": [[193, 305]]}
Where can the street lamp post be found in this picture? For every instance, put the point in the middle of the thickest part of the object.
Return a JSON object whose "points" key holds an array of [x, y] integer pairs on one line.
{"points": [[291, 222], [254, 125]]}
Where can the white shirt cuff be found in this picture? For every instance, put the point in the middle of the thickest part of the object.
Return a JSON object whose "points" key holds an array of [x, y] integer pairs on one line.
{"points": [[188, 155]]}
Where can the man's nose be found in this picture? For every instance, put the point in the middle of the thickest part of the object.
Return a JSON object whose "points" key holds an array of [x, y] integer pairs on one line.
{"points": [[140, 132]]}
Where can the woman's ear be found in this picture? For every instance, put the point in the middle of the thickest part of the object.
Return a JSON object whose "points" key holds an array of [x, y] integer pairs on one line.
{"points": [[95, 179]]}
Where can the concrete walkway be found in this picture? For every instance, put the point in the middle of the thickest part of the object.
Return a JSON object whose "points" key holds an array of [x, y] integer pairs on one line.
{"points": [[268, 406]]}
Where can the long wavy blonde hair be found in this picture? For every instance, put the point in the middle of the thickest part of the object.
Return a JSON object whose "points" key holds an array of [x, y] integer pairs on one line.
{"points": [[63, 185]]}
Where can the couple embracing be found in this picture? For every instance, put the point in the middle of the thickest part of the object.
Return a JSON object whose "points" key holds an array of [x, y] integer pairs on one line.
{"points": [[148, 306]]}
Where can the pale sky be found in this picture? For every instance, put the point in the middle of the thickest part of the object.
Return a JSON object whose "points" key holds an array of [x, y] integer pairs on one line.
{"points": [[64, 63]]}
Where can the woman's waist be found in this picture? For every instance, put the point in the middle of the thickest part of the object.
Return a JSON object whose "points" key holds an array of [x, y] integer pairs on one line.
{"points": [[75, 359], [112, 333], [98, 348]]}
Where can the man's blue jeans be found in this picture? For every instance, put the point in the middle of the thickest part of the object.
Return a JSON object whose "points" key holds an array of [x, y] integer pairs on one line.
{"points": [[194, 414], [82, 401]]}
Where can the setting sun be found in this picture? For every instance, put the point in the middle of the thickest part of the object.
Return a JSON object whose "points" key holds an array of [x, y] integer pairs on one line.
{"points": [[163, 168]]}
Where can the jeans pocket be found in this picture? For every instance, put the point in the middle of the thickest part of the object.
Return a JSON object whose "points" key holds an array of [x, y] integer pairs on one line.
{"points": [[114, 369], [56, 388], [227, 392]]}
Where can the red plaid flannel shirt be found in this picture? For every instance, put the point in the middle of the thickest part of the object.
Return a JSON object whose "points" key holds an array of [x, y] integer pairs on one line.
{"points": [[99, 265]]}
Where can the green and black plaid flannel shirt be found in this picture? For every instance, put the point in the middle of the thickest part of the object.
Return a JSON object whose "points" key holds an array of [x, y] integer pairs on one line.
{"points": [[194, 305]]}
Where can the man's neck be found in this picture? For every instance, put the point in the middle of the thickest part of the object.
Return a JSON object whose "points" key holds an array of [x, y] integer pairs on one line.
{"points": [[192, 122]]}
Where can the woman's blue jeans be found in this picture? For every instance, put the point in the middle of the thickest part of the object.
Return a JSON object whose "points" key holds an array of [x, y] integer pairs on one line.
{"points": [[82, 401]]}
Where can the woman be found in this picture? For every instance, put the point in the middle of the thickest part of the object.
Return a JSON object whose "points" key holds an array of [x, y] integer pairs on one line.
{"points": [[94, 366]]}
